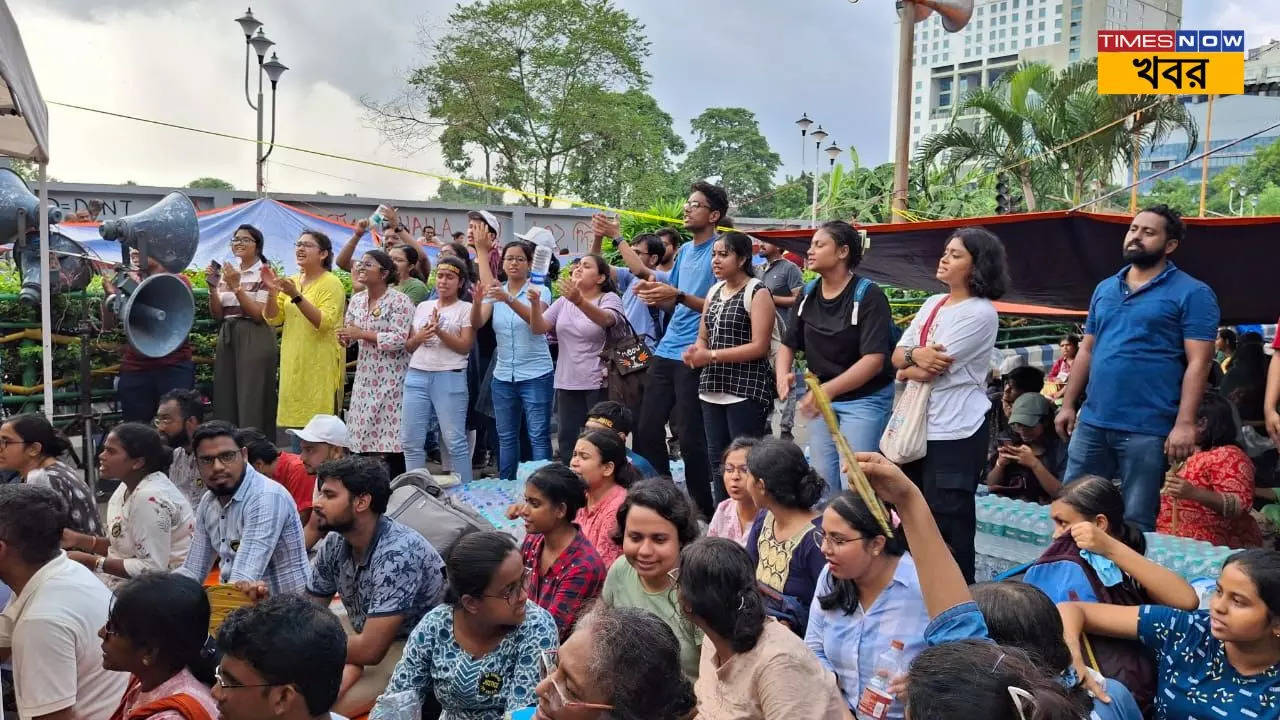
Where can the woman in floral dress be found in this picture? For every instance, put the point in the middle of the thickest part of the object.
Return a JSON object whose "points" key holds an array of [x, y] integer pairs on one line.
{"points": [[378, 318]]}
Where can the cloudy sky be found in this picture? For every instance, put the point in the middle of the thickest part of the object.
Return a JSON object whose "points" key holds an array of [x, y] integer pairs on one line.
{"points": [[181, 61]]}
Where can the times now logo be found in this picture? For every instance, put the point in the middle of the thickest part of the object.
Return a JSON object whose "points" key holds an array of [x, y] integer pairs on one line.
{"points": [[1171, 41]]}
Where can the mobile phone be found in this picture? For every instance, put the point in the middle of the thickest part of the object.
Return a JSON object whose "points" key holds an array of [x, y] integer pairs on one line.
{"points": [[217, 266]]}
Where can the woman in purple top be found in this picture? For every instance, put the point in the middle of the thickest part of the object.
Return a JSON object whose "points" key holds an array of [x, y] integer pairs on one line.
{"points": [[588, 306]]}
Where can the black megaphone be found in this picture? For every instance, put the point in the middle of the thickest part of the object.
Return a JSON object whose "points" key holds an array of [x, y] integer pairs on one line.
{"points": [[166, 231], [157, 316], [70, 269], [19, 208]]}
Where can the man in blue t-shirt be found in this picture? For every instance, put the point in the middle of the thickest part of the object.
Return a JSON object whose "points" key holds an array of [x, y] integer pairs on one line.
{"points": [[671, 385], [1144, 362], [642, 256]]}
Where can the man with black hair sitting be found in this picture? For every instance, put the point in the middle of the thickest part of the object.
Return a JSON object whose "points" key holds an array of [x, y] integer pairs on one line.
{"points": [[179, 414]]}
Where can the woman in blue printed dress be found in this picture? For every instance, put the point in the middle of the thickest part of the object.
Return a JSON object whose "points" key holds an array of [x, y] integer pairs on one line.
{"points": [[479, 652], [379, 318]]}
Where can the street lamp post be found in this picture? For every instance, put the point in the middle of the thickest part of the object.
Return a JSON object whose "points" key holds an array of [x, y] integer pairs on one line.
{"points": [[818, 135], [1234, 188], [273, 69]]}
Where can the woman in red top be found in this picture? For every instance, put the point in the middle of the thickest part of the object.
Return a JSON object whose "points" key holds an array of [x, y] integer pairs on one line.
{"points": [[600, 458], [1209, 499]]}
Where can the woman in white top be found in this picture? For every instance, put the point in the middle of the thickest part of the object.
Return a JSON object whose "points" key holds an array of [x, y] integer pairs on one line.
{"points": [[244, 378], [954, 357], [149, 520], [436, 383]]}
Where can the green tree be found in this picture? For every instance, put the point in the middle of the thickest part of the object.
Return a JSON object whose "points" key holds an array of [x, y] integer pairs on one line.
{"points": [[1174, 192], [634, 146], [790, 199], [464, 193], [728, 144], [211, 183], [25, 169], [526, 85]]}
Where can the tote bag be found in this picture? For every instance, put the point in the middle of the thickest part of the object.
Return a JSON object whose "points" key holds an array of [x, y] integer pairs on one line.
{"points": [[906, 437]]}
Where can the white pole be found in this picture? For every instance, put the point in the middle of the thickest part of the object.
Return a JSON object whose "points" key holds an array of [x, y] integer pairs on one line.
{"points": [[46, 322]]}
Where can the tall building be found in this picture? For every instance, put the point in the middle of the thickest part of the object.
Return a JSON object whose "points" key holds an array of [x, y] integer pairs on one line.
{"points": [[1003, 33]]}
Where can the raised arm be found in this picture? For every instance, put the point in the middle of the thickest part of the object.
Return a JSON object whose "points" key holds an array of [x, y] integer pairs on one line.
{"points": [[348, 251]]}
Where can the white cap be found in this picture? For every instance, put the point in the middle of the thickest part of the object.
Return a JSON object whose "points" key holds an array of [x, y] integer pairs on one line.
{"points": [[539, 236], [489, 219], [327, 429]]}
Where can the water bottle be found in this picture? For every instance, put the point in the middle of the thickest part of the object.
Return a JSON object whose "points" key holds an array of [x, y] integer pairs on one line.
{"points": [[984, 512], [541, 264], [1042, 528], [875, 701]]}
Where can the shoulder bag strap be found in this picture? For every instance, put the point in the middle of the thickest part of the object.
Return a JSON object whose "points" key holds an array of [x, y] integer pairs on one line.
{"points": [[928, 323]]}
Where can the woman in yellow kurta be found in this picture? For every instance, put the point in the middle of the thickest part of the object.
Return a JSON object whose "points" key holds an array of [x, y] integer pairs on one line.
{"points": [[310, 306]]}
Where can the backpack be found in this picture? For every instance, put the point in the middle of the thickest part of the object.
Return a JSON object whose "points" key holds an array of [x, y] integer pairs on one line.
{"points": [[859, 292], [419, 502]]}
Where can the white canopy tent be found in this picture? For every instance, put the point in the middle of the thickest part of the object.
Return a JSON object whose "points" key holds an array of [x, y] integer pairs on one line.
{"points": [[24, 134]]}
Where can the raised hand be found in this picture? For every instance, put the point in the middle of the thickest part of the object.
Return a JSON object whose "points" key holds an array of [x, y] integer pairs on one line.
{"points": [[231, 276]]}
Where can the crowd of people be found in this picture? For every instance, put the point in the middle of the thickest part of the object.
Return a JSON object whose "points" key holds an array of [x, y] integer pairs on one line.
{"points": [[765, 588]]}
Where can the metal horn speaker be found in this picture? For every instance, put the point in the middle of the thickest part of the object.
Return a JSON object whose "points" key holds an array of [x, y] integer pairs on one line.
{"points": [[70, 270], [166, 231], [18, 206], [157, 316], [955, 13]]}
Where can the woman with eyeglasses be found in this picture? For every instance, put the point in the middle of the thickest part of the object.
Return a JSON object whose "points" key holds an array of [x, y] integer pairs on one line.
{"points": [[868, 597], [244, 382], [522, 368], [478, 652], [378, 319], [149, 520], [621, 663], [309, 305], [157, 631], [752, 667], [654, 523], [30, 446]]}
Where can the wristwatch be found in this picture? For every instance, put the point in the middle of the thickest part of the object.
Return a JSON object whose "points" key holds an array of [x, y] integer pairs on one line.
{"points": [[680, 297], [297, 299], [99, 564], [907, 356]]}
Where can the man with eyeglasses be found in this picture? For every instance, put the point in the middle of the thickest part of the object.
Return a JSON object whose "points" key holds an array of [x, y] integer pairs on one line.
{"points": [[281, 659], [672, 385], [246, 521], [179, 414]]}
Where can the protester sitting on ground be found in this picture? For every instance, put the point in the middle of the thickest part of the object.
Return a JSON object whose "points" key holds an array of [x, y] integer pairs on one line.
{"points": [[378, 320], [157, 632], [409, 279], [387, 575], [600, 457], [1245, 383], [31, 447], [479, 653], [285, 468], [621, 659], [781, 540], [246, 522], [323, 439], [1224, 348], [654, 524], [309, 306], [288, 653], [868, 598], [50, 625], [641, 255], [735, 387], [1030, 458], [1056, 380], [435, 387], [843, 328], [611, 415], [581, 318], [1021, 616], [567, 573], [247, 354], [1210, 497], [1091, 511], [735, 514], [179, 414], [953, 355], [1219, 662], [149, 522], [1016, 383], [752, 667]]}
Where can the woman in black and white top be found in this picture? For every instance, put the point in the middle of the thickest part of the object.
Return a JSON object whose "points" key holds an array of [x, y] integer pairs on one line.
{"points": [[244, 366], [955, 358], [736, 388]]}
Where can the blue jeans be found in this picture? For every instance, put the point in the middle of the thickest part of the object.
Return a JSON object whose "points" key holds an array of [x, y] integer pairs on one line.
{"points": [[432, 397], [862, 422], [1138, 458], [511, 400]]}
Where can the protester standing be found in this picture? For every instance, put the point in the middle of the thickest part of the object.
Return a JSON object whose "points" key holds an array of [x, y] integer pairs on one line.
{"points": [[409, 279], [783, 279]]}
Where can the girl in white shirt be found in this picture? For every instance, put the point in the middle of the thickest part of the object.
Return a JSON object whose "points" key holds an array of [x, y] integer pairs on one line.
{"points": [[955, 358]]}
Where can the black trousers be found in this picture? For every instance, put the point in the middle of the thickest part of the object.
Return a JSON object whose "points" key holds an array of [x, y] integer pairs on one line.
{"points": [[571, 415], [724, 424], [949, 475], [670, 385]]}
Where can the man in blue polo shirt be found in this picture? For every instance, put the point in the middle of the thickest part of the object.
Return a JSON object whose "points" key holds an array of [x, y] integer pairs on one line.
{"points": [[671, 385], [1144, 362]]}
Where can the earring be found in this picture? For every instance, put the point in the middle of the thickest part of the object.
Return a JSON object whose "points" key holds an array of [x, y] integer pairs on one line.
{"points": [[146, 661]]}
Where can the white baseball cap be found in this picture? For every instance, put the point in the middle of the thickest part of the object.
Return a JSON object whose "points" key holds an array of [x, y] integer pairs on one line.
{"points": [[489, 218], [327, 429], [539, 236]]}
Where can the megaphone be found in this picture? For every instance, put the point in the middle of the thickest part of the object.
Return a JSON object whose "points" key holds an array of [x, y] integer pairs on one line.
{"points": [[19, 208], [166, 231], [157, 316], [69, 270], [955, 13]]}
